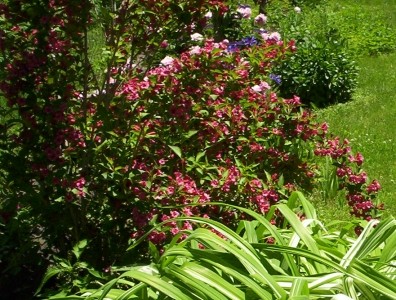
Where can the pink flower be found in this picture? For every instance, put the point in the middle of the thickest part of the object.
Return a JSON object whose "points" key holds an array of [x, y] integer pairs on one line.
{"points": [[162, 161], [195, 50], [275, 36], [174, 214], [373, 187], [157, 237], [187, 226], [164, 44], [175, 230]]}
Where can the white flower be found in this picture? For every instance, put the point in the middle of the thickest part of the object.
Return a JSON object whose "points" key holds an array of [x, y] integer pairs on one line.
{"points": [[197, 37], [257, 88], [275, 36], [261, 87], [167, 61], [297, 9], [245, 11], [208, 15], [261, 19]]}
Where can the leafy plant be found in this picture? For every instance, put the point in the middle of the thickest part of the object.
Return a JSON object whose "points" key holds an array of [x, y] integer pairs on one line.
{"points": [[73, 273], [322, 71], [302, 259]]}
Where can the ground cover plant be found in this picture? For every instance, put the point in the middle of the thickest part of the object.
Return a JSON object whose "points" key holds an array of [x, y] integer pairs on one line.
{"points": [[173, 121]]}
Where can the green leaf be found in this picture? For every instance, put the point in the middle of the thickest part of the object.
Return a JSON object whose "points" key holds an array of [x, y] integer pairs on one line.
{"points": [[177, 150], [134, 291], [195, 285], [51, 272], [190, 133], [226, 289], [242, 250], [157, 283], [79, 248], [299, 289]]}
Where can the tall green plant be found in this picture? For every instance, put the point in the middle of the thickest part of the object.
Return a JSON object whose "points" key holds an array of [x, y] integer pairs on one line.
{"points": [[304, 259]]}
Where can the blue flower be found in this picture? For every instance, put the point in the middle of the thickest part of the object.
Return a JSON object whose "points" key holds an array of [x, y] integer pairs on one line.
{"points": [[249, 41], [276, 78], [232, 47]]}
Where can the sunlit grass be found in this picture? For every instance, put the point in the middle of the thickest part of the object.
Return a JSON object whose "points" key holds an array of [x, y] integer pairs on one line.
{"points": [[369, 122]]}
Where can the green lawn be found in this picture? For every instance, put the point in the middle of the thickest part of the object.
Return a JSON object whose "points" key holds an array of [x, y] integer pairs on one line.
{"points": [[369, 122]]}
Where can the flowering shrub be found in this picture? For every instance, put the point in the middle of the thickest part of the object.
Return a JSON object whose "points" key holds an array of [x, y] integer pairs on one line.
{"points": [[105, 162], [211, 128]]}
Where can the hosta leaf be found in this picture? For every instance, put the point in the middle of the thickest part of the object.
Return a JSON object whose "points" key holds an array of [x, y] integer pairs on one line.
{"points": [[228, 265], [388, 253], [303, 233], [236, 245], [369, 239], [227, 290]]}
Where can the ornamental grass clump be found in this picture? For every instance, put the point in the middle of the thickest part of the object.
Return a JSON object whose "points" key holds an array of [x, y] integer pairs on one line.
{"points": [[305, 259]]}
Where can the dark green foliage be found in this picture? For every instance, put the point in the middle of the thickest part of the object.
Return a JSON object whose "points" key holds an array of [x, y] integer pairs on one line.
{"points": [[321, 71]]}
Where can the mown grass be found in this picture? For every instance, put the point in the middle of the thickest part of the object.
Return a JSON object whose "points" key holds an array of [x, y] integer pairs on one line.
{"points": [[369, 120]]}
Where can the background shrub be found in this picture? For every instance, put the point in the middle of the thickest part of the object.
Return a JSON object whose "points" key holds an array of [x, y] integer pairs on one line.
{"points": [[322, 71]]}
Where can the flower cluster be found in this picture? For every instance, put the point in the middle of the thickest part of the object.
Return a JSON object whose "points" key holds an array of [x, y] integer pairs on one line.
{"points": [[360, 194], [218, 132]]}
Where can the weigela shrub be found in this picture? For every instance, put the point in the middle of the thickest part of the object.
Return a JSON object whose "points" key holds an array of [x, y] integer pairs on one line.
{"points": [[207, 126], [108, 162]]}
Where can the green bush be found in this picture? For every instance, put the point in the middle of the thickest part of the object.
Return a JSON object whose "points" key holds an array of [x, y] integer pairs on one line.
{"points": [[322, 71]]}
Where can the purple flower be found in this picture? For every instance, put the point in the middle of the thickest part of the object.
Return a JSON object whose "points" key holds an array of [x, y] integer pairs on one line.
{"points": [[232, 47], [245, 42]]}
